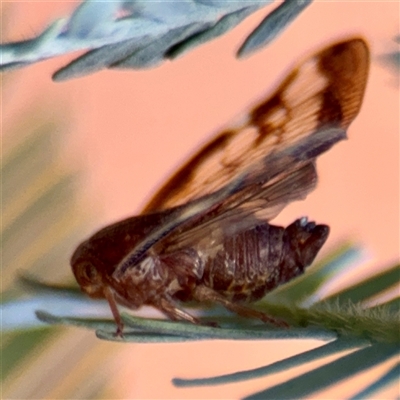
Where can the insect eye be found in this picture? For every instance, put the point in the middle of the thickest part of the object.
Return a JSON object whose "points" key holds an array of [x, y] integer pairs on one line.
{"points": [[89, 272]]}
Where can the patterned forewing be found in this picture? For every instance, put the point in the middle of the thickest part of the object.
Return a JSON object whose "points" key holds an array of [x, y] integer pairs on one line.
{"points": [[325, 91]]}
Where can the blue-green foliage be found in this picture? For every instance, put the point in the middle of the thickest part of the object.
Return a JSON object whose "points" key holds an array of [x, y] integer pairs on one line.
{"points": [[142, 34]]}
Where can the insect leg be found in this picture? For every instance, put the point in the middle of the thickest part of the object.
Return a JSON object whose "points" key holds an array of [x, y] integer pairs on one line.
{"points": [[204, 294], [168, 307], [108, 294]]}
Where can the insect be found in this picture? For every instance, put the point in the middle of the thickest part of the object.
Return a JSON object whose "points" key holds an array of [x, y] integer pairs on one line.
{"points": [[205, 235]]}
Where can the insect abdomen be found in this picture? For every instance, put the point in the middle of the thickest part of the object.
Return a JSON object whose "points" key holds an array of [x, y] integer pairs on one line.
{"points": [[255, 261]]}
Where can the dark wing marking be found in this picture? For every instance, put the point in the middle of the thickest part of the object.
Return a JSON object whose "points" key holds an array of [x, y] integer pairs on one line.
{"points": [[325, 90]]}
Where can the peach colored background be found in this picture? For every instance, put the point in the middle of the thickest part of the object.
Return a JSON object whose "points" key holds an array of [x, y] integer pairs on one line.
{"points": [[131, 128]]}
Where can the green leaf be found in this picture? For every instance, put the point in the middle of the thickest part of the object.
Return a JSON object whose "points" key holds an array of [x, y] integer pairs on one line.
{"points": [[79, 322], [146, 35], [226, 23], [272, 26], [320, 378], [326, 350], [387, 379], [392, 305], [369, 287]]}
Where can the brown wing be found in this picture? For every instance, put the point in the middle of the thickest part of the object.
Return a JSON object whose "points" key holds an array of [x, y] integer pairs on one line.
{"points": [[251, 172], [238, 213], [326, 90]]}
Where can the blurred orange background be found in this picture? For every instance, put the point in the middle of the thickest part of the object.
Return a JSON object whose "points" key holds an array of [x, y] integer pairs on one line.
{"points": [[130, 129]]}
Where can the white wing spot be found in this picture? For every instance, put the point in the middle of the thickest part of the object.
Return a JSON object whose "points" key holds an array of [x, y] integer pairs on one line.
{"points": [[309, 81]]}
